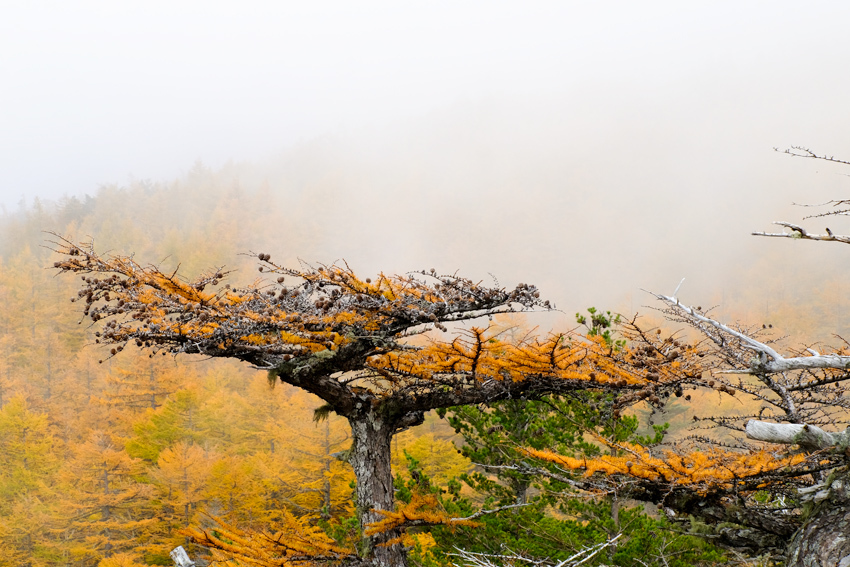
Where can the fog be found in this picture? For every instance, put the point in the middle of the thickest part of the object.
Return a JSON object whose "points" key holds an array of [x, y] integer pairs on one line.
{"points": [[592, 149]]}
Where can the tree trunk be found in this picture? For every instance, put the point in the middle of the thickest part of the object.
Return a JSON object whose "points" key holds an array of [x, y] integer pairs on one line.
{"points": [[822, 540], [371, 459]]}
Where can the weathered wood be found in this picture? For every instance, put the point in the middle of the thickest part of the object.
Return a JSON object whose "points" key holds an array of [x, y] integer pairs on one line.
{"points": [[799, 233], [806, 436], [181, 558], [767, 359]]}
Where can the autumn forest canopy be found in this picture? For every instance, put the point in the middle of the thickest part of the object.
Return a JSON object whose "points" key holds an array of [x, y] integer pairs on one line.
{"points": [[194, 364]]}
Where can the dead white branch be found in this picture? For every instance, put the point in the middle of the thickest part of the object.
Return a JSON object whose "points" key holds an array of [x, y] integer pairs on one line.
{"points": [[180, 557], [800, 233], [767, 360], [471, 559], [806, 436]]}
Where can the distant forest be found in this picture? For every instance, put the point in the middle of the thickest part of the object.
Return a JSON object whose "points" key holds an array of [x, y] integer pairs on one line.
{"points": [[106, 455]]}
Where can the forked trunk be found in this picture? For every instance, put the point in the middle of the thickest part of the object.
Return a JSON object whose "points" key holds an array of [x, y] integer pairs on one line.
{"points": [[371, 459]]}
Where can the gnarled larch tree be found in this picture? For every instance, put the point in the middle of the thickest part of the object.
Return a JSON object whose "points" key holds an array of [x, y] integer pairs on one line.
{"points": [[348, 340]]}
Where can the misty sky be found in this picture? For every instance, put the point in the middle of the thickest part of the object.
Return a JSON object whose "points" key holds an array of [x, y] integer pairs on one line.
{"points": [[636, 132], [102, 92]]}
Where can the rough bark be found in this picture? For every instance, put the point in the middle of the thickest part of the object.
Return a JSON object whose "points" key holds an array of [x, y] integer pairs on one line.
{"points": [[824, 538], [371, 459]]}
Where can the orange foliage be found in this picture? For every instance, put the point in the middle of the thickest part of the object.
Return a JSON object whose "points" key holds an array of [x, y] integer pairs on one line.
{"points": [[486, 357], [294, 543], [329, 307], [714, 467], [422, 510], [156, 297]]}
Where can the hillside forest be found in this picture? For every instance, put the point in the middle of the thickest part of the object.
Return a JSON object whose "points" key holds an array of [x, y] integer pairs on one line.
{"points": [[112, 455]]}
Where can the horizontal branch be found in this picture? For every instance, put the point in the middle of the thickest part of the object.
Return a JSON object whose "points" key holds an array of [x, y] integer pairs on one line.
{"points": [[804, 435], [404, 520], [800, 233], [803, 152]]}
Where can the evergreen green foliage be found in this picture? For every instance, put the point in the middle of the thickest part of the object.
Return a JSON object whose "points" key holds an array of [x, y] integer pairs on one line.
{"points": [[556, 520], [599, 324]]}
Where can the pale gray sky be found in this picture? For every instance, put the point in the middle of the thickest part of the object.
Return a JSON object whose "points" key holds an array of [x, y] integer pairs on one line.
{"points": [[99, 92]]}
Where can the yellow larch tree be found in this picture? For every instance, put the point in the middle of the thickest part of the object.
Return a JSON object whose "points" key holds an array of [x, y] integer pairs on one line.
{"points": [[102, 501], [142, 384], [313, 477], [436, 456], [28, 531], [121, 560], [181, 479], [240, 490]]}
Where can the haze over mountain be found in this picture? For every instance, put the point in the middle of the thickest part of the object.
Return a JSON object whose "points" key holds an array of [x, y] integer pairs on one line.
{"points": [[594, 149]]}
